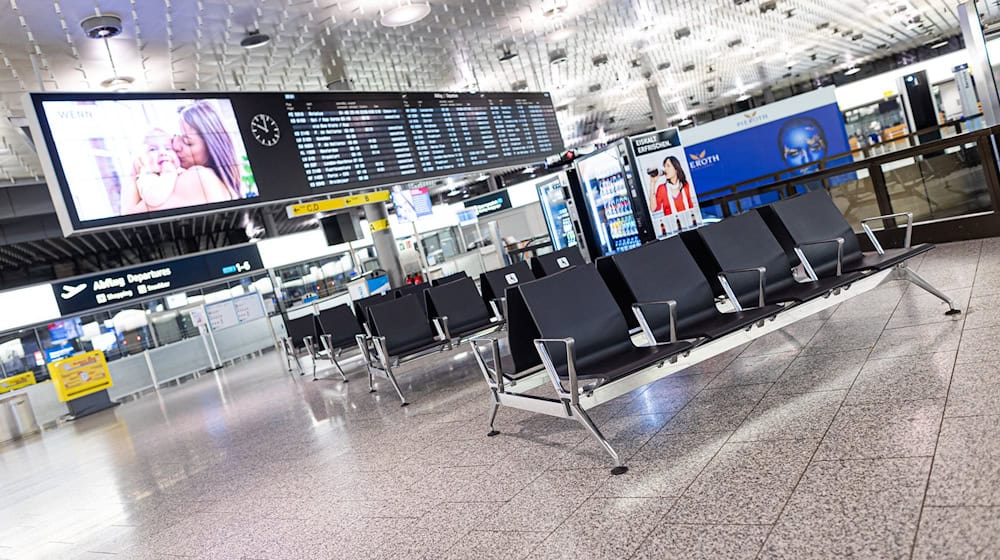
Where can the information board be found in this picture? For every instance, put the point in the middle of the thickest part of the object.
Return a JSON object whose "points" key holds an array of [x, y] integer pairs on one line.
{"points": [[80, 375], [186, 153], [116, 287], [16, 382], [235, 311]]}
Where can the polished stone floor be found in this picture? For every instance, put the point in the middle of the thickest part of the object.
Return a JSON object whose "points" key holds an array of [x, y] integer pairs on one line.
{"points": [[872, 431]]}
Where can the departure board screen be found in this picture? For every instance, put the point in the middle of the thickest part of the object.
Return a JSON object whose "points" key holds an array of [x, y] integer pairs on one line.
{"points": [[188, 153]]}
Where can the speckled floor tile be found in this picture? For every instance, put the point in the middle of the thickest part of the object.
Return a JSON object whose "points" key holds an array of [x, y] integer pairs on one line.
{"points": [[703, 542], [665, 466], [904, 378], [967, 463], [975, 390], [983, 311], [845, 336], [824, 372], [918, 307], [604, 529], [789, 339], [801, 416], [752, 370], [979, 345], [852, 509], [667, 395], [958, 533], [716, 410], [875, 306], [919, 339], [877, 430], [494, 545], [746, 482]]}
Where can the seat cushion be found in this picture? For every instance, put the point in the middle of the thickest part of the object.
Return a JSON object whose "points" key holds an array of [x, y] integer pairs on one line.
{"points": [[722, 324], [414, 347], [800, 292], [622, 364], [892, 257], [469, 327]]}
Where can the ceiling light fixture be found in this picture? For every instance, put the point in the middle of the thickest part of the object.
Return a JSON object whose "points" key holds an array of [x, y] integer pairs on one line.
{"points": [[939, 44], [404, 15], [255, 39], [560, 35], [685, 121], [743, 96], [852, 71]]}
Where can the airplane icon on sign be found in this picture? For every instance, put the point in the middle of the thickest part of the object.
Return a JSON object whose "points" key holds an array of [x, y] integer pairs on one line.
{"points": [[69, 292]]}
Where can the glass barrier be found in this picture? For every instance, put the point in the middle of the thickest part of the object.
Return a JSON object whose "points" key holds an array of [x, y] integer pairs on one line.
{"points": [[938, 185]]}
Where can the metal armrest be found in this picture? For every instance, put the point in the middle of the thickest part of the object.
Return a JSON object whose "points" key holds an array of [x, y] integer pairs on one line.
{"points": [[326, 340], [497, 307], [805, 262], [310, 347], [644, 323], [871, 235], [441, 325], [497, 370], [574, 386], [363, 344], [724, 279]]}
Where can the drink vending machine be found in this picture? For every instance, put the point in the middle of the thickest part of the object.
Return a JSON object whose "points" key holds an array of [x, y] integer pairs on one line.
{"points": [[634, 191]]}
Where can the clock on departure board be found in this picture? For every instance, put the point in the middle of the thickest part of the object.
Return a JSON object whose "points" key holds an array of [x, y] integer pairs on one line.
{"points": [[265, 130]]}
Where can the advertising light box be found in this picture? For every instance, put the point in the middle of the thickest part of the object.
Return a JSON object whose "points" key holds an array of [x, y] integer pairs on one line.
{"points": [[113, 159], [790, 133]]}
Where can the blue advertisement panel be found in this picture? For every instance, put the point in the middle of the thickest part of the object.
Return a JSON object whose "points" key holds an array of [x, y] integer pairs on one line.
{"points": [[782, 135]]}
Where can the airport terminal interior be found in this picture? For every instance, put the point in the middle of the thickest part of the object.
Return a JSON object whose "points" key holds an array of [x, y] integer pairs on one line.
{"points": [[516, 279]]}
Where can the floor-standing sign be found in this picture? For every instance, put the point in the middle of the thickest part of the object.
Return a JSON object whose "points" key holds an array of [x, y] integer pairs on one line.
{"points": [[82, 382], [663, 170]]}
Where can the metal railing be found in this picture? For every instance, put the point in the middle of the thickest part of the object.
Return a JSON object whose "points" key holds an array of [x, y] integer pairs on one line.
{"points": [[940, 180]]}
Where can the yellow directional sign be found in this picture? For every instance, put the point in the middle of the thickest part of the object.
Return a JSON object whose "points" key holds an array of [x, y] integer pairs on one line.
{"points": [[80, 375], [331, 204], [379, 225], [18, 381]]}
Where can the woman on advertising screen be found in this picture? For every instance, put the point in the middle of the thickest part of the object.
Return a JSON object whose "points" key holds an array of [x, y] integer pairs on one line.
{"points": [[671, 184], [201, 169]]}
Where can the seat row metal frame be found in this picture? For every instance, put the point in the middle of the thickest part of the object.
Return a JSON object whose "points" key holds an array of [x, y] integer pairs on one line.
{"points": [[514, 390]]}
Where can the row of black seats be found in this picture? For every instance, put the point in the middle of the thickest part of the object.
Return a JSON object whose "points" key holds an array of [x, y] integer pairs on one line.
{"points": [[575, 325]]}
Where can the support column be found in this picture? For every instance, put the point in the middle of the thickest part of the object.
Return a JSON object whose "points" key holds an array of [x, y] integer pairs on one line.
{"points": [[979, 62], [661, 119], [385, 244], [270, 226]]}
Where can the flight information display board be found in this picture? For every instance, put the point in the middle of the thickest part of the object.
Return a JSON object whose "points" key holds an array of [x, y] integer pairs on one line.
{"points": [[188, 153]]}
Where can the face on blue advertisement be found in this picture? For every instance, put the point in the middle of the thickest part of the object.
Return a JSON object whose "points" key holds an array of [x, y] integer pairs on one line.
{"points": [[768, 147]]}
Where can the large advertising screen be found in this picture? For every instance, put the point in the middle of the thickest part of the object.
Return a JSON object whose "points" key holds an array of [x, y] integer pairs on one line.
{"points": [[787, 134], [174, 153], [112, 159]]}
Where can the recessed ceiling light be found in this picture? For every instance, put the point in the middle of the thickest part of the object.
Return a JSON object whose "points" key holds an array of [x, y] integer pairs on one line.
{"points": [[685, 122], [560, 35], [939, 44], [743, 96], [852, 71], [118, 83], [255, 39], [404, 15]]}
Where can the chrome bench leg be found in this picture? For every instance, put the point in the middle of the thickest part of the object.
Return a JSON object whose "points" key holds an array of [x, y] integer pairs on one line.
{"points": [[494, 408], [912, 277], [582, 416]]}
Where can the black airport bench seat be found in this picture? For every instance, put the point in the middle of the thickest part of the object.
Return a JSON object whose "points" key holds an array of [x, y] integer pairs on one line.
{"points": [[406, 329], [693, 297], [494, 284], [336, 329], [558, 261]]}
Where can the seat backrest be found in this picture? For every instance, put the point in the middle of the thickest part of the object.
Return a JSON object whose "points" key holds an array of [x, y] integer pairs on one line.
{"points": [[551, 263], [494, 283], [460, 302], [744, 241], [361, 307], [661, 271], [808, 218], [447, 279], [402, 322], [298, 329], [416, 290], [340, 323], [576, 303]]}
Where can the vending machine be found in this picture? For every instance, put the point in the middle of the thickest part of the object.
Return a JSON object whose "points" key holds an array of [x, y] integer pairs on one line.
{"points": [[557, 207], [613, 213]]}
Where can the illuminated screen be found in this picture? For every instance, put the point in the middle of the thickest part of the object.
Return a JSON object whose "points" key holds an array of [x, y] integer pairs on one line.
{"points": [[174, 153]]}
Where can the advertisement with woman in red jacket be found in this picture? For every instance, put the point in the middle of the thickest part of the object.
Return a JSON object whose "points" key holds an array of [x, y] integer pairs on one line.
{"points": [[671, 188]]}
